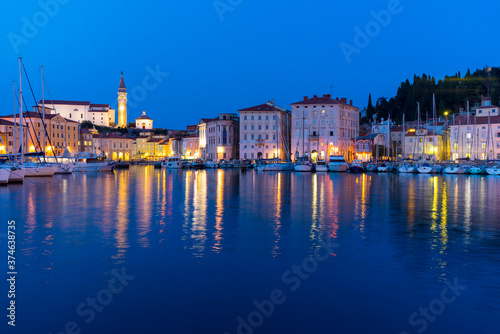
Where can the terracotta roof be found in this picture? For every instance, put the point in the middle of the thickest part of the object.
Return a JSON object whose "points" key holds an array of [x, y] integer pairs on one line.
{"points": [[428, 134], [479, 120], [6, 122], [63, 102], [96, 105], [486, 107], [322, 100], [398, 128], [207, 120], [110, 136], [33, 114], [155, 140], [144, 117], [262, 107]]}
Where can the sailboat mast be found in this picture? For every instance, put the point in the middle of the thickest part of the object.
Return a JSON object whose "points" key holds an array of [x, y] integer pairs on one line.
{"points": [[403, 143], [43, 113], [15, 118], [434, 123], [21, 110]]}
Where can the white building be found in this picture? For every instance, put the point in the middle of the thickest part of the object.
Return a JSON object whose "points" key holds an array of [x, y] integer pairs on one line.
{"points": [[477, 136], [144, 122], [219, 138], [322, 126], [265, 132], [79, 111]]}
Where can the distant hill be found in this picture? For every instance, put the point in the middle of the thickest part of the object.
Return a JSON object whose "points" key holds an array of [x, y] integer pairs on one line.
{"points": [[451, 92]]}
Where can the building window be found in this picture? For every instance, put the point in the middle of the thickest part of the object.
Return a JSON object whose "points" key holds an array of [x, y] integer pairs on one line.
{"points": [[252, 118], [245, 137], [245, 117], [82, 116], [267, 118], [260, 118], [331, 133]]}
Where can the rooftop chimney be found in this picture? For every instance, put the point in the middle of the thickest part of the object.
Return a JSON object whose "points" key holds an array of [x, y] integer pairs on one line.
{"points": [[306, 98], [343, 100], [351, 103], [315, 97]]}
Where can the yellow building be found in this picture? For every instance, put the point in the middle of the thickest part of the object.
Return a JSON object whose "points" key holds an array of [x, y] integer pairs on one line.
{"points": [[114, 146], [10, 142], [61, 133], [122, 104]]}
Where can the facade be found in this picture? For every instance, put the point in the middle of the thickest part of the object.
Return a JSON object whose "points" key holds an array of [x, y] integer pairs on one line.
{"points": [[61, 133], [322, 126], [80, 111], [114, 146], [122, 104], [363, 146], [424, 144], [265, 132], [191, 147], [144, 122], [153, 151], [86, 144], [219, 137], [10, 135], [478, 136]]}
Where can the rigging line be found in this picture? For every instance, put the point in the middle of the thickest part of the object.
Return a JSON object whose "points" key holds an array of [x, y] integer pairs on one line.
{"points": [[43, 123], [27, 127]]}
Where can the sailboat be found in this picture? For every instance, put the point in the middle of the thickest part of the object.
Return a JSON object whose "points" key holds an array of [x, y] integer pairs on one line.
{"points": [[303, 164], [432, 167], [277, 165]]}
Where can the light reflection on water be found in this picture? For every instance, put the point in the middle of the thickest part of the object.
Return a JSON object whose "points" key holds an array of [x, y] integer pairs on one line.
{"points": [[420, 229]]}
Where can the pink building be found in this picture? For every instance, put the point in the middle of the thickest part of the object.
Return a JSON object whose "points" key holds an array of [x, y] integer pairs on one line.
{"points": [[219, 137]]}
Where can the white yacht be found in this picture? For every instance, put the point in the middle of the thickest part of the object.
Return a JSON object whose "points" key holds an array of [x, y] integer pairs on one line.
{"points": [[430, 168], [493, 170], [408, 168], [93, 164], [320, 166], [457, 169], [211, 164], [303, 165], [172, 163], [39, 169], [385, 168], [337, 163]]}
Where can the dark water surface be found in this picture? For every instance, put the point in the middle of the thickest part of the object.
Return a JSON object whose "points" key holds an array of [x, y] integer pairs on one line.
{"points": [[205, 251]]}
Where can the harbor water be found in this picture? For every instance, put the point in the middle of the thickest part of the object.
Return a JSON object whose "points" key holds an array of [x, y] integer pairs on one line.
{"points": [[228, 251]]}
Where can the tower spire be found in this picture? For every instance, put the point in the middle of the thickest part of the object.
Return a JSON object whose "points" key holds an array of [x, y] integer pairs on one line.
{"points": [[122, 87]]}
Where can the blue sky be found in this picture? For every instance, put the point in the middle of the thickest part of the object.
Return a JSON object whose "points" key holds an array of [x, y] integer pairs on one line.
{"points": [[259, 50]]}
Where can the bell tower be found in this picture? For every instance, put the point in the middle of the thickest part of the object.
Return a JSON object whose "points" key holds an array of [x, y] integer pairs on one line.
{"points": [[122, 104]]}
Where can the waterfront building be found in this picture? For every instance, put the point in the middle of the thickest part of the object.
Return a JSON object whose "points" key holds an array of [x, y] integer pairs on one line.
{"points": [[153, 147], [219, 137], [10, 135], [114, 146], [61, 133], [190, 147], [477, 136], [322, 126], [175, 146], [192, 129], [122, 103], [363, 146], [424, 144], [80, 111], [265, 132], [86, 143], [144, 122]]}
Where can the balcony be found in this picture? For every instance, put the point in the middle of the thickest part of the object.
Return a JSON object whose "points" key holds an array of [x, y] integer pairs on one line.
{"points": [[260, 142], [314, 137]]}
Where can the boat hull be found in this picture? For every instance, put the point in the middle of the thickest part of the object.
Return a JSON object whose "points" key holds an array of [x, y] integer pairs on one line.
{"points": [[408, 170], [16, 175], [356, 169], [40, 171], [337, 168], [302, 168], [321, 169], [493, 171], [4, 175]]}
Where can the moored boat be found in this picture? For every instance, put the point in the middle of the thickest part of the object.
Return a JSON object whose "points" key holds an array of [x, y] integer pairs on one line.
{"points": [[172, 163], [408, 168], [456, 169], [4, 175], [94, 164], [337, 163], [303, 165], [428, 168], [385, 168], [493, 170], [356, 167], [39, 169], [320, 166]]}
